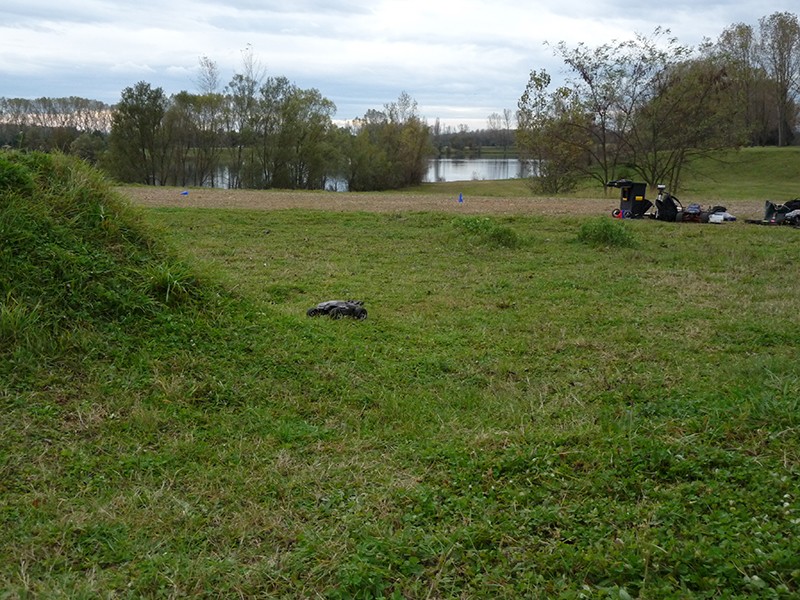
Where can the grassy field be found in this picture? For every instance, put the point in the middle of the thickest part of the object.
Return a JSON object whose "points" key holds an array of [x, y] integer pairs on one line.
{"points": [[537, 406]]}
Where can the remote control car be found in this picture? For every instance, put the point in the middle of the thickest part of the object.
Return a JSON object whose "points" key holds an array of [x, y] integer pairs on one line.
{"points": [[336, 309]]}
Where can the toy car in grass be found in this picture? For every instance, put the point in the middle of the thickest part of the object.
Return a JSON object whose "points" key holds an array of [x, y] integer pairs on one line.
{"points": [[336, 309]]}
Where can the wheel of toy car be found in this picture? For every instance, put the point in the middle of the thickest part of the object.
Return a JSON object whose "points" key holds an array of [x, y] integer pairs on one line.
{"points": [[626, 214], [616, 213], [313, 312]]}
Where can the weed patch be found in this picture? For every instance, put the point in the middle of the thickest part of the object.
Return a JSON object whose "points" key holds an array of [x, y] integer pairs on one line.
{"points": [[603, 232], [485, 230]]}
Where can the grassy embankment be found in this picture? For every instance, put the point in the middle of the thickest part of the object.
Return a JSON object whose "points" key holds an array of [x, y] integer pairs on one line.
{"points": [[535, 407]]}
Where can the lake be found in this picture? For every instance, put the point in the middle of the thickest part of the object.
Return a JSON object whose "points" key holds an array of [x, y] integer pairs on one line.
{"points": [[476, 169], [440, 169]]}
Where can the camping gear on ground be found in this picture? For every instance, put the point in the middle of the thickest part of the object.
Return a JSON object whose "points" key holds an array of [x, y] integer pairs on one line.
{"points": [[668, 207], [793, 218], [780, 214], [336, 309], [632, 201], [693, 214], [719, 214], [634, 205]]}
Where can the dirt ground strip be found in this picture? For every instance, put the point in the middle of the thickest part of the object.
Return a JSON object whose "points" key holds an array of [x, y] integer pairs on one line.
{"points": [[390, 202]]}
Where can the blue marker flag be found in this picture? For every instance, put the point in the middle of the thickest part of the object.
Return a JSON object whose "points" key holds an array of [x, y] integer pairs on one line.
{"points": [[461, 198]]}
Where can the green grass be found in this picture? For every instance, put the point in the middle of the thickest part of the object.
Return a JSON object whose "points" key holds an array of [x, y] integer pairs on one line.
{"points": [[763, 173], [506, 188], [527, 412]]}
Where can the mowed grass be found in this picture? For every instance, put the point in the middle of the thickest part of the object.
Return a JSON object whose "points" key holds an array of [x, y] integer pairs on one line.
{"points": [[535, 407]]}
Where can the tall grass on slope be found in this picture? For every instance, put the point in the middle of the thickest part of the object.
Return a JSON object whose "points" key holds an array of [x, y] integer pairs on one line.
{"points": [[76, 263]]}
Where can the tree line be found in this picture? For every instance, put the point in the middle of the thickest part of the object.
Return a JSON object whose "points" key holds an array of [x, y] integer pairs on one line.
{"points": [[645, 107], [258, 132], [642, 108], [262, 132], [73, 124]]}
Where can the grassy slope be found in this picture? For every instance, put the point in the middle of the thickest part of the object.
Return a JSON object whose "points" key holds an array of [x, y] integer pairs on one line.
{"points": [[521, 415]]}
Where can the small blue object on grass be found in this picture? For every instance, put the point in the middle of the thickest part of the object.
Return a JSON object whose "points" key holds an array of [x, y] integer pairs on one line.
{"points": [[461, 198], [185, 193]]}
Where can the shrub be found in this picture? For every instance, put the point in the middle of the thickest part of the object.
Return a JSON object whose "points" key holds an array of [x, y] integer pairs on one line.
{"points": [[503, 236]]}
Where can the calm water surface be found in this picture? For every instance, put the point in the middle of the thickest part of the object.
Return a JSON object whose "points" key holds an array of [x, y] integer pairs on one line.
{"points": [[439, 169], [476, 169]]}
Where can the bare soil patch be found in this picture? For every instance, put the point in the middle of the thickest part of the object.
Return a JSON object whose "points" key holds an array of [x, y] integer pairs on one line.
{"points": [[394, 202]]}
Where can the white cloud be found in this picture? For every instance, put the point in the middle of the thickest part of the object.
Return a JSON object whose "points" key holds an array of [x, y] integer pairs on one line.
{"points": [[461, 61]]}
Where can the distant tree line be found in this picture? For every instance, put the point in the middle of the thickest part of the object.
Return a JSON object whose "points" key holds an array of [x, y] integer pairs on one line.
{"points": [[644, 107], [258, 132], [463, 142], [262, 132], [73, 124]]}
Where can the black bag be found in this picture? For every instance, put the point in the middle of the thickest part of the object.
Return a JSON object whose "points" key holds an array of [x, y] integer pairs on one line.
{"points": [[667, 208], [793, 204]]}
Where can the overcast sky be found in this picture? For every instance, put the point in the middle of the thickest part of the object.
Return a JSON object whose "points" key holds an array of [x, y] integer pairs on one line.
{"points": [[460, 61]]}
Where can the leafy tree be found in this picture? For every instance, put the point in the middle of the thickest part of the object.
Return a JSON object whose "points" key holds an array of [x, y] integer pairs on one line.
{"points": [[366, 164], [599, 81], [179, 127], [688, 111], [242, 116], [544, 133], [208, 117], [286, 141], [409, 138], [390, 149], [138, 143], [89, 146], [271, 157], [207, 110], [306, 139], [779, 50], [748, 85], [640, 106]]}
